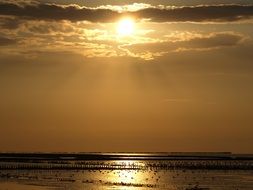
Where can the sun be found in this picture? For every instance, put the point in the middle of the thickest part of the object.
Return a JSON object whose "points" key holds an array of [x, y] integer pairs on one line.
{"points": [[125, 27]]}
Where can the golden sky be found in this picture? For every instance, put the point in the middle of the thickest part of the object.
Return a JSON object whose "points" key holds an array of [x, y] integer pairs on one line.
{"points": [[133, 76]]}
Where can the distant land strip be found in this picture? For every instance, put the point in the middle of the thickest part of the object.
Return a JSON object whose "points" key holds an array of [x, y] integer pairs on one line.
{"points": [[124, 161], [126, 156]]}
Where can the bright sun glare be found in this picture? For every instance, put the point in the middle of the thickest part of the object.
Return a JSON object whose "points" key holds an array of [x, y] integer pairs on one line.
{"points": [[125, 27]]}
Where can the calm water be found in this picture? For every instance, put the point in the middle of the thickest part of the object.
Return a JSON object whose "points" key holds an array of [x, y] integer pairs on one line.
{"points": [[125, 174]]}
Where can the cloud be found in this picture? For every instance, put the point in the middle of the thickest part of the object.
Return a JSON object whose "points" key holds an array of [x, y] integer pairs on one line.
{"points": [[6, 41], [202, 13], [9, 23], [43, 11], [20, 2], [213, 40], [65, 36], [204, 42], [50, 27]]}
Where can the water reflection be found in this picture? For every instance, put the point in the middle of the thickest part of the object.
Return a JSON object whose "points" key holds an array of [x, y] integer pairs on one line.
{"points": [[127, 177]]}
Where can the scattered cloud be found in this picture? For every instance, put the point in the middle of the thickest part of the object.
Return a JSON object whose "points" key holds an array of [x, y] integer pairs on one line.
{"points": [[197, 42], [7, 41], [9, 22], [65, 36]]}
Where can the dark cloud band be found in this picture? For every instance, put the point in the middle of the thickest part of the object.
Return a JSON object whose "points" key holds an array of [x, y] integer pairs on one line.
{"points": [[58, 12], [217, 13]]}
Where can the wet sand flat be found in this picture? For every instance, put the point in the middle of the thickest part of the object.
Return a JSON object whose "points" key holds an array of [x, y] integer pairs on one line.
{"points": [[126, 179], [125, 172]]}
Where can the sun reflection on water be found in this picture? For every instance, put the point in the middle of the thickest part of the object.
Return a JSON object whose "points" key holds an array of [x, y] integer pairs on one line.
{"points": [[130, 178]]}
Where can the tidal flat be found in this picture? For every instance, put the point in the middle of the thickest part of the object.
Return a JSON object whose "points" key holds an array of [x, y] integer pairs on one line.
{"points": [[126, 172]]}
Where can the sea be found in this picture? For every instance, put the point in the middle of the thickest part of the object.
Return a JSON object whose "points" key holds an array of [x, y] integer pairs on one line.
{"points": [[126, 171]]}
